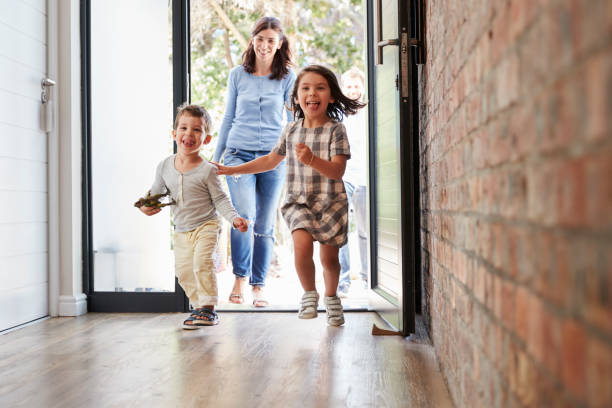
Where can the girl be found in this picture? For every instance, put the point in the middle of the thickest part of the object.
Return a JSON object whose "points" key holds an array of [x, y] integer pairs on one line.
{"points": [[257, 91], [316, 207]]}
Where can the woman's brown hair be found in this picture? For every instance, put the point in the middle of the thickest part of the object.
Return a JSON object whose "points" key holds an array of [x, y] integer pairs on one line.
{"points": [[282, 56]]}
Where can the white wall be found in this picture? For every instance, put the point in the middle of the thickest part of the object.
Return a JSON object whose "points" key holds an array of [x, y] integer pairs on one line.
{"points": [[23, 163], [40, 173]]}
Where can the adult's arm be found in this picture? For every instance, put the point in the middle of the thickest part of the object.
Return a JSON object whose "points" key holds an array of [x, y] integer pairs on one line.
{"points": [[228, 116], [259, 165]]}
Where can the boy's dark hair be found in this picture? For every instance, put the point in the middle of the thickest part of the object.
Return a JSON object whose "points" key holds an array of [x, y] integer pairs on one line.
{"points": [[196, 111], [343, 105], [282, 57]]}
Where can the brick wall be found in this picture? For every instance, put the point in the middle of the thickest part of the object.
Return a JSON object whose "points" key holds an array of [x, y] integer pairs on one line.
{"points": [[516, 178]]}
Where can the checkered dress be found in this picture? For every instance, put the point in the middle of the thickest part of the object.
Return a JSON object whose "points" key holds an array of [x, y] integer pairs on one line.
{"points": [[315, 202]]}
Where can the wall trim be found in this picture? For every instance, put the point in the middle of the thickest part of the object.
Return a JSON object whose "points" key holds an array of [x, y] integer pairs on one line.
{"points": [[75, 305]]}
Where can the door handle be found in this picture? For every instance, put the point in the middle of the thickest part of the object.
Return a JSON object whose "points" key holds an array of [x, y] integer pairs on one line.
{"points": [[382, 44], [45, 84], [47, 112]]}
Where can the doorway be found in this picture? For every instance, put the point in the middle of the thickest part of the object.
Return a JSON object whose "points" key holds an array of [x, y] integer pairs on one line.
{"points": [[334, 35], [168, 74]]}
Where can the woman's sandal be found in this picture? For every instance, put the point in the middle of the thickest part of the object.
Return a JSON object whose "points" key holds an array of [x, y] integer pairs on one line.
{"points": [[205, 317], [259, 299], [239, 284], [310, 303]]}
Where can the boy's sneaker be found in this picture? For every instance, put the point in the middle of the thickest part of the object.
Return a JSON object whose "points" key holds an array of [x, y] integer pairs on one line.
{"points": [[310, 302], [335, 314]]}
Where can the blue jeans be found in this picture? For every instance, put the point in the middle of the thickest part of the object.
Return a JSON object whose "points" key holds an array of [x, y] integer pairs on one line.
{"points": [[357, 196], [255, 197]]}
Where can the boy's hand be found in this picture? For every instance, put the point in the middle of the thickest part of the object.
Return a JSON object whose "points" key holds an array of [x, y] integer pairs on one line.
{"points": [[149, 210], [223, 170], [241, 224], [304, 154]]}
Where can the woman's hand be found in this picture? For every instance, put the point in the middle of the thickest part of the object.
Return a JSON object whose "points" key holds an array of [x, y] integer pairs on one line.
{"points": [[223, 170], [240, 224], [149, 210], [304, 154]]}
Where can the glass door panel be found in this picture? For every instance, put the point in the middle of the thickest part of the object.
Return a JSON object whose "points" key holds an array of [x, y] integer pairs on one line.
{"points": [[393, 249], [131, 120]]}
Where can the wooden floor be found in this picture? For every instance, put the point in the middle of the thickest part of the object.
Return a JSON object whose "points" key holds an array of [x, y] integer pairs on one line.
{"points": [[248, 360]]}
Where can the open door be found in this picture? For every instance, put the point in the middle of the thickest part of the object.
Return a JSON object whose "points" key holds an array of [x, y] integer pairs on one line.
{"points": [[393, 158]]}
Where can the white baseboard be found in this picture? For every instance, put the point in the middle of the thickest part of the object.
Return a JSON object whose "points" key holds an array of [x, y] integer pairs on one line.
{"points": [[73, 305]]}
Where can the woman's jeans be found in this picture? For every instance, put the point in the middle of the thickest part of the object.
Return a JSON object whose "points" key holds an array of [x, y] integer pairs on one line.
{"points": [[357, 196], [255, 197]]}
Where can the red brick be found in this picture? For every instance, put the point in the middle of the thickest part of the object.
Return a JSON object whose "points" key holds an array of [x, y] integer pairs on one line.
{"points": [[562, 279], [526, 386], [598, 288], [599, 373], [479, 283], [598, 172], [574, 355], [508, 305], [500, 246], [522, 131], [489, 290], [542, 185], [522, 312], [534, 326], [551, 339], [498, 297], [514, 242], [598, 99], [562, 113], [571, 195], [508, 83], [499, 34]]}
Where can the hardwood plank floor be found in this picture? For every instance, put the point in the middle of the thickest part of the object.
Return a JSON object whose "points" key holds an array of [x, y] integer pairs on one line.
{"points": [[248, 360]]}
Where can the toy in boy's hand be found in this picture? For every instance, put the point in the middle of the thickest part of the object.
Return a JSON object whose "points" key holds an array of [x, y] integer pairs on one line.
{"points": [[153, 201]]}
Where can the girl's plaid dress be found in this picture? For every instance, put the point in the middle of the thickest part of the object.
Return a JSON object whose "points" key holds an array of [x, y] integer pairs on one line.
{"points": [[315, 202]]}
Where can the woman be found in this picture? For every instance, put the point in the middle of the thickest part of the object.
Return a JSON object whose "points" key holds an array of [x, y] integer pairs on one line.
{"points": [[258, 92]]}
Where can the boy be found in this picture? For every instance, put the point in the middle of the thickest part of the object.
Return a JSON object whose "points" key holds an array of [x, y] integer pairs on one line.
{"points": [[193, 184]]}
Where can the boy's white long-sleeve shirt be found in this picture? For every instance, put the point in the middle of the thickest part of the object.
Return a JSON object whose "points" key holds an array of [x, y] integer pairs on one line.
{"points": [[197, 192]]}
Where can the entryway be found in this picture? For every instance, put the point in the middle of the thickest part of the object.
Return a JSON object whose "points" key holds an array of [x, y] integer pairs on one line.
{"points": [[138, 73]]}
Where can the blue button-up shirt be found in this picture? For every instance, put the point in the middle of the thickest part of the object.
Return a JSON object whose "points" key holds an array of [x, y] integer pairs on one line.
{"points": [[254, 111]]}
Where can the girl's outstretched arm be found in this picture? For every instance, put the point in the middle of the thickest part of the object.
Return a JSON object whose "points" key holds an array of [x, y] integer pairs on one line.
{"points": [[259, 165], [334, 168]]}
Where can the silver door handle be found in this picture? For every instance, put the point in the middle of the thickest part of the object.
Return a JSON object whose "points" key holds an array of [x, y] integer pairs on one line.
{"points": [[382, 44], [44, 86]]}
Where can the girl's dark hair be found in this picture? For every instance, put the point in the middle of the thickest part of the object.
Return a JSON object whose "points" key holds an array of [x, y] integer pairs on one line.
{"points": [[282, 57], [343, 105]]}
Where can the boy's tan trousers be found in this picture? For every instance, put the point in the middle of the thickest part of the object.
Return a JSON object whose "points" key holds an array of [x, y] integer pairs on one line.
{"points": [[193, 262]]}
